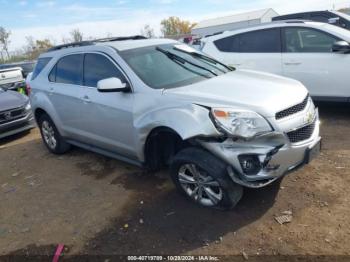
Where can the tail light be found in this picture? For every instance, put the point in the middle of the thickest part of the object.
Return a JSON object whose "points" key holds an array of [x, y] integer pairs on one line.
{"points": [[28, 89]]}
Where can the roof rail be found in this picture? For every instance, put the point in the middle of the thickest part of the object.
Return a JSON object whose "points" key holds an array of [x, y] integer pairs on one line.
{"points": [[75, 44], [287, 21], [92, 42], [218, 33], [121, 38]]}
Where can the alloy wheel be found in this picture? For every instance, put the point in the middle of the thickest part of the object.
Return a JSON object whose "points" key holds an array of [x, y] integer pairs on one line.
{"points": [[49, 134], [199, 185]]}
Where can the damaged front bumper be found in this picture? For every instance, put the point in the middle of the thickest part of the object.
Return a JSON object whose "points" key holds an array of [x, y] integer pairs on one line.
{"points": [[263, 160]]}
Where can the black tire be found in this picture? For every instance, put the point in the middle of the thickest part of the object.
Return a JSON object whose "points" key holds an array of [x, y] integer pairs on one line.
{"points": [[213, 167], [61, 146]]}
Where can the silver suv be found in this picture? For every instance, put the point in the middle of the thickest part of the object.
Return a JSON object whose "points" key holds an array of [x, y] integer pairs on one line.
{"points": [[157, 103]]}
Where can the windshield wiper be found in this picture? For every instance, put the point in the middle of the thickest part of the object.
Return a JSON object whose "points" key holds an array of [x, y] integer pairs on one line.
{"points": [[183, 60], [204, 57]]}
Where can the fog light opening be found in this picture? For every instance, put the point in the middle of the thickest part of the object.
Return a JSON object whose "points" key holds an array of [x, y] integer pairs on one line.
{"points": [[250, 164]]}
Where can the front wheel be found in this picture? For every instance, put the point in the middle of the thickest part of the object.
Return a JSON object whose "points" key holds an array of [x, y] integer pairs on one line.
{"points": [[203, 178]]}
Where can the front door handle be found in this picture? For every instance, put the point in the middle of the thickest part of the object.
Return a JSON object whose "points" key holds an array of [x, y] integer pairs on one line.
{"points": [[86, 99], [292, 63]]}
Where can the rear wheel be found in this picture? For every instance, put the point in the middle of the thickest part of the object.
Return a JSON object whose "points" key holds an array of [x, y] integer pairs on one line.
{"points": [[51, 137], [202, 177]]}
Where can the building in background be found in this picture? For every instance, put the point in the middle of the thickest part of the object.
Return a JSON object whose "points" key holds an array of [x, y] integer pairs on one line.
{"points": [[226, 23]]}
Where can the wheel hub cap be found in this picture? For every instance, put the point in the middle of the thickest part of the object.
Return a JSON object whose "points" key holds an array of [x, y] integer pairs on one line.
{"points": [[199, 185], [49, 134]]}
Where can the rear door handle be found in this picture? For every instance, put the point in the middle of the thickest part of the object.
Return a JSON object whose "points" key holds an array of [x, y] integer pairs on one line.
{"points": [[86, 99], [51, 89], [292, 63]]}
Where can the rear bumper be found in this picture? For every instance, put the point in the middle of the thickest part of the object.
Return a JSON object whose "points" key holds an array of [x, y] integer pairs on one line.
{"points": [[19, 125]]}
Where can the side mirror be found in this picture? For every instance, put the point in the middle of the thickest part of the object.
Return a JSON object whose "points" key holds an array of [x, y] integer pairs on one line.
{"points": [[341, 47], [112, 84]]}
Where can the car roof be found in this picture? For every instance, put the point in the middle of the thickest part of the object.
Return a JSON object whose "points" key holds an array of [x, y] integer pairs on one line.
{"points": [[10, 69], [116, 43], [282, 23], [303, 13]]}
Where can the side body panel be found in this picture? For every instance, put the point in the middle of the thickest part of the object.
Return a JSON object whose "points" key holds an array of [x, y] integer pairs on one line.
{"points": [[323, 74]]}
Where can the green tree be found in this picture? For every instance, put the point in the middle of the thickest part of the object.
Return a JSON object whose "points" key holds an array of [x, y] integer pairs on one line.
{"points": [[34, 48], [5, 40], [174, 26]]}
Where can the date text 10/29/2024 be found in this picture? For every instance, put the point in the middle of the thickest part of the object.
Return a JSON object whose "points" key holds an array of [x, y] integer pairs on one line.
{"points": [[173, 258]]}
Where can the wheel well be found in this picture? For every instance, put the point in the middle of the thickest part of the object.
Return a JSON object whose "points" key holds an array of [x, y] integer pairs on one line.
{"points": [[38, 113], [161, 145]]}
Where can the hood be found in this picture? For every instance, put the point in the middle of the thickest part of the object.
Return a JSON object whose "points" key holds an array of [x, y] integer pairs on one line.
{"points": [[263, 93], [11, 99]]}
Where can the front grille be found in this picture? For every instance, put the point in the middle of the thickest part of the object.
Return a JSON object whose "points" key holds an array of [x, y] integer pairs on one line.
{"points": [[292, 110], [13, 127], [10, 115], [302, 134]]}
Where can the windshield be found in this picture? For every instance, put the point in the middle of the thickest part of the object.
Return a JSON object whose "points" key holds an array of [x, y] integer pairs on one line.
{"points": [[166, 66]]}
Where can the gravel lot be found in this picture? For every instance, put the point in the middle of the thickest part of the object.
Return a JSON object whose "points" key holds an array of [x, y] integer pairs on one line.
{"points": [[97, 205]]}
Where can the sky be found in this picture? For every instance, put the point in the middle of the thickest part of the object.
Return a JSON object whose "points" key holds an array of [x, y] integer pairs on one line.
{"points": [[54, 19]]}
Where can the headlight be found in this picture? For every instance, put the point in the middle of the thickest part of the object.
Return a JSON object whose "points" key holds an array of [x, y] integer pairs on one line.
{"points": [[240, 123], [28, 106]]}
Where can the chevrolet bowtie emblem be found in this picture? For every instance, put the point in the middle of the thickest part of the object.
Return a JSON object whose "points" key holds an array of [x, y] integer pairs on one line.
{"points": [[309, 118]]}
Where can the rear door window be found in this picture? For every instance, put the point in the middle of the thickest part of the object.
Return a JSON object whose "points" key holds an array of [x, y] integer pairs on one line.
{"points": [[260, 41], [40, 65], [69, 70], [98, 67]]}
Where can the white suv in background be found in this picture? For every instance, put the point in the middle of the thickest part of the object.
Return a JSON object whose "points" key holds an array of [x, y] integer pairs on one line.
{"points": [[317, 54]]}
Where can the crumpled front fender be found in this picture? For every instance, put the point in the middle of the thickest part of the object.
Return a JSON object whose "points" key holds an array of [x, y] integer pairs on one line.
{"points": [[187, 121]]}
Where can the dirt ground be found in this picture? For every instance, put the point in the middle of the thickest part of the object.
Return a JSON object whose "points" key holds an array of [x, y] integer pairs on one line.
{"points": [[100, 206]]}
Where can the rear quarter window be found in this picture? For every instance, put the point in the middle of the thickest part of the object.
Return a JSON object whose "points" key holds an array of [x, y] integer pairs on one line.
{"points": [[40, 65]]}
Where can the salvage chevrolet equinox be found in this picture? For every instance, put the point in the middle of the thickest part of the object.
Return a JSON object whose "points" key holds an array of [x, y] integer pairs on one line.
{"points": [[157, 103]]}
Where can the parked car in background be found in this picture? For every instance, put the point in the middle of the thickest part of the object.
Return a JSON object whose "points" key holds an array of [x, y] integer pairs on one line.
{"points": [[15, 113], [157, 103], [12, 79], [332, 17], [316, 54], [27, 67]]}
